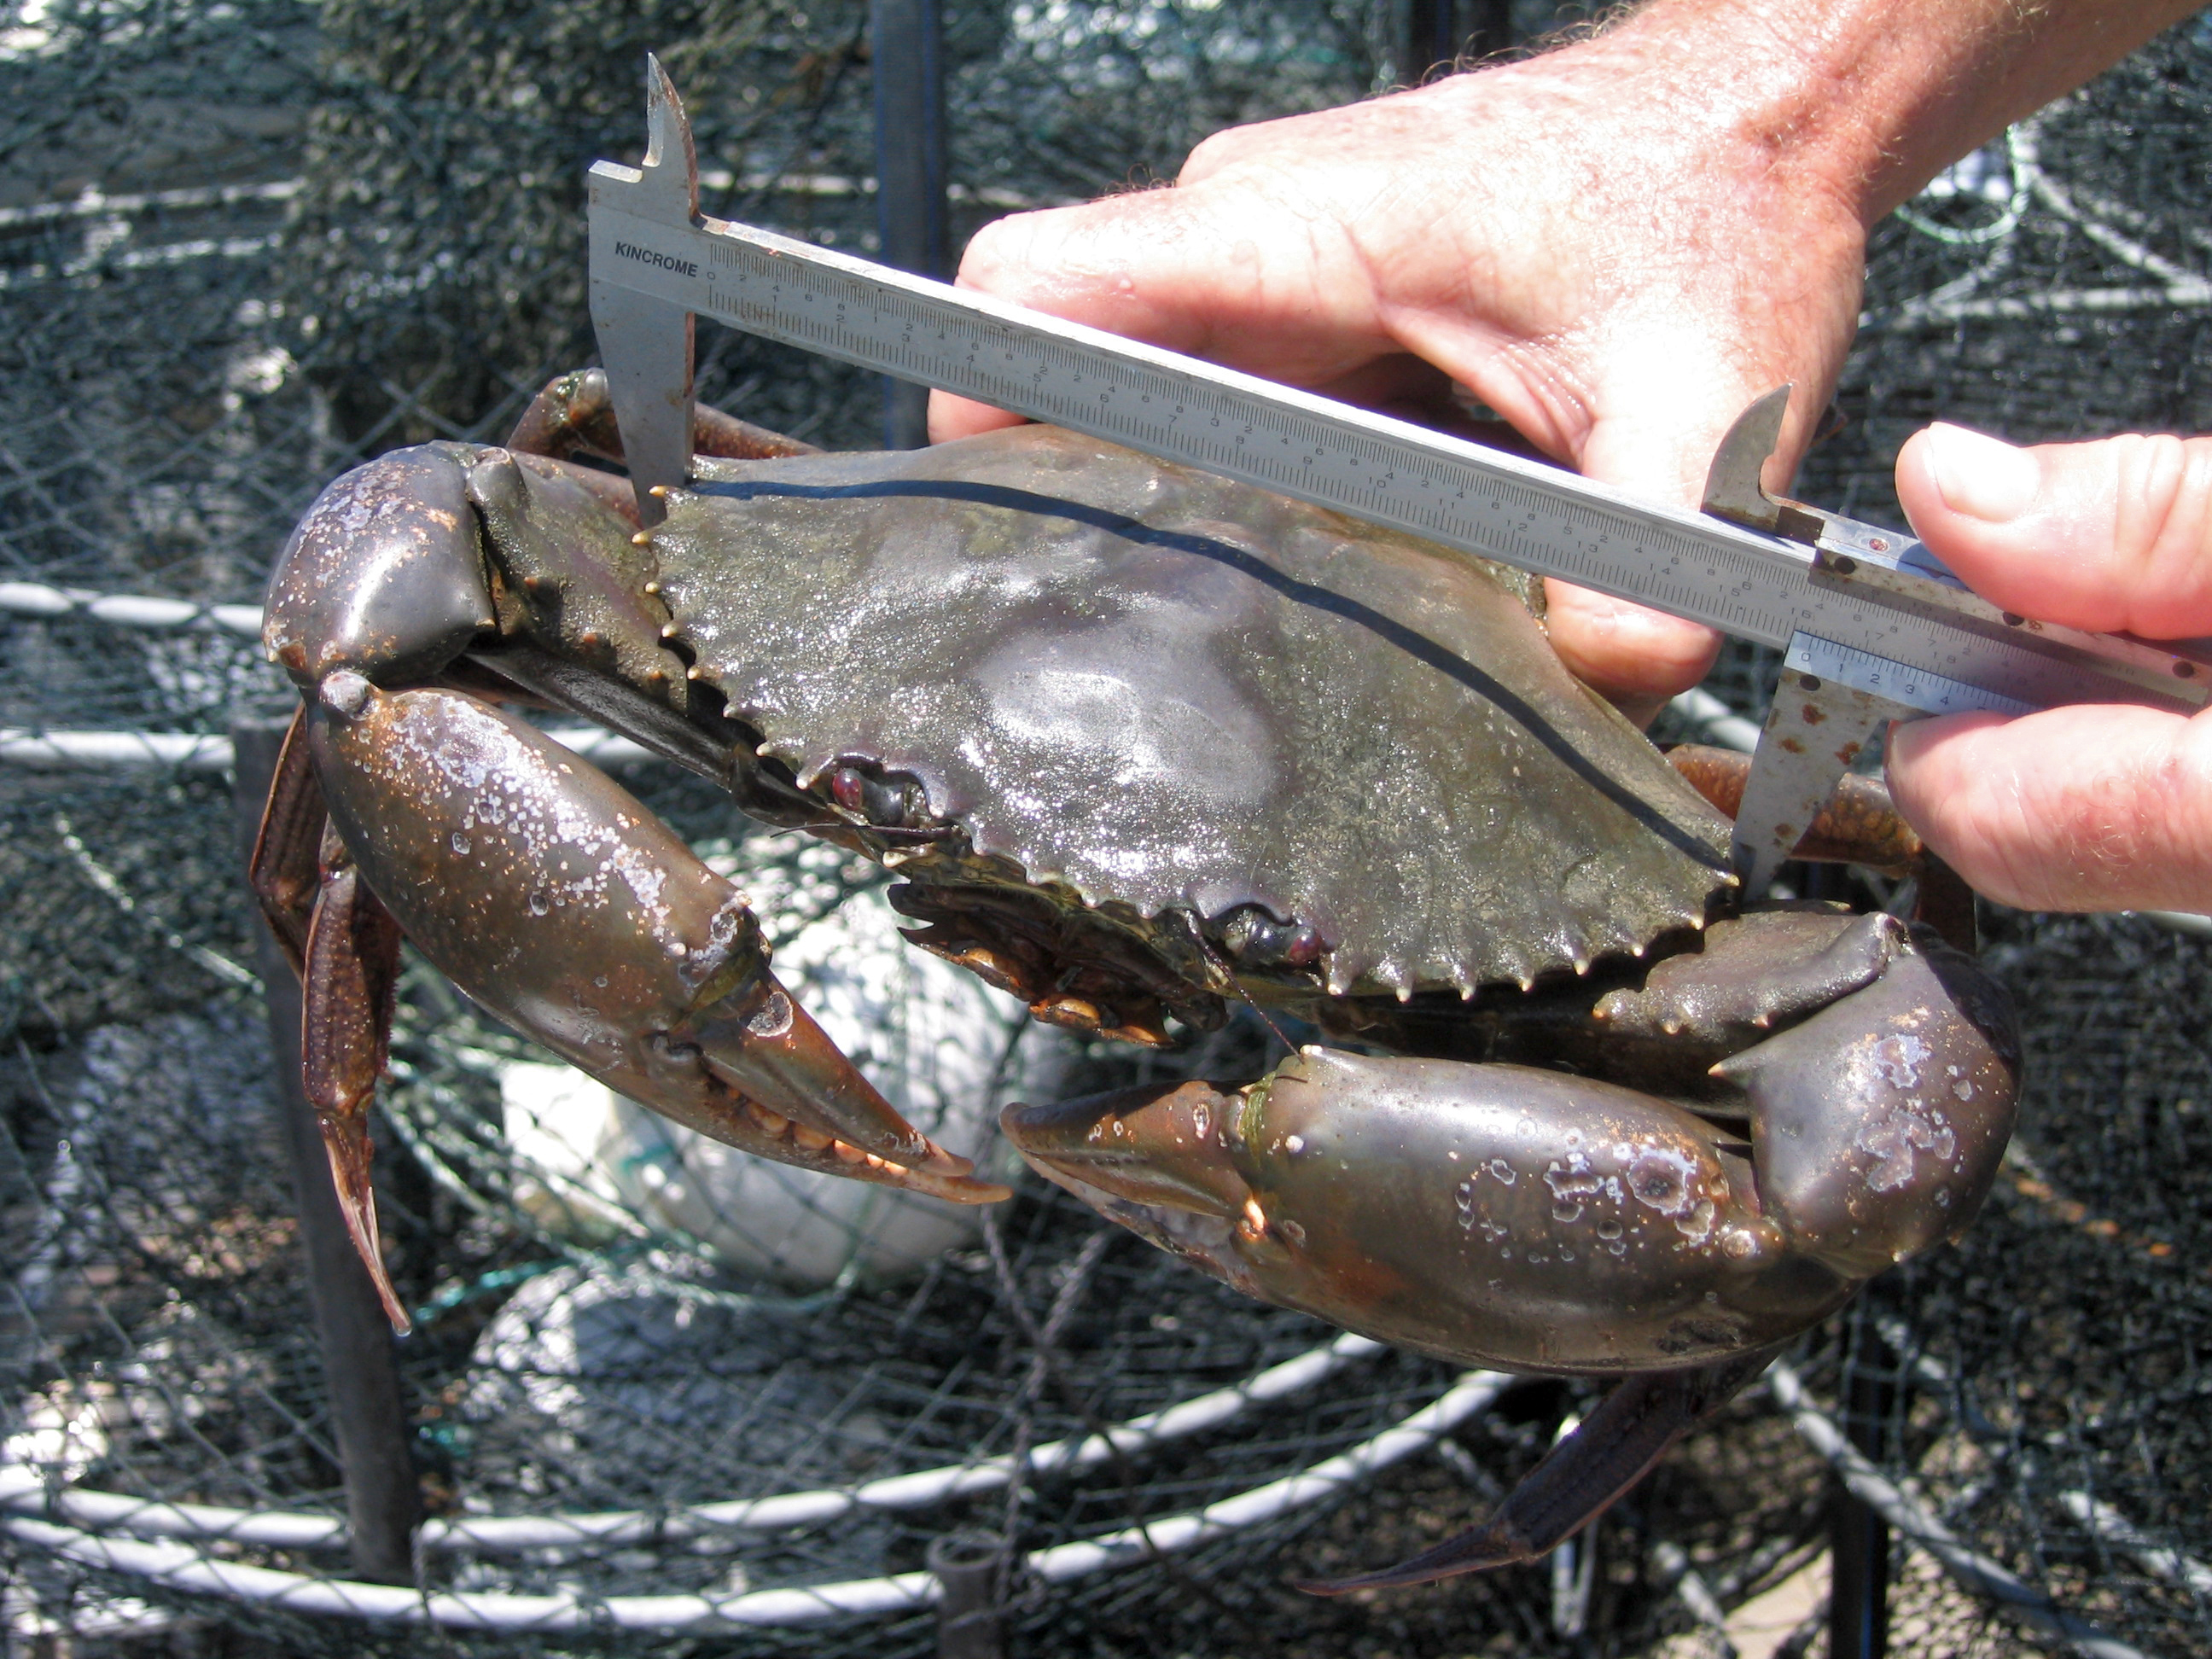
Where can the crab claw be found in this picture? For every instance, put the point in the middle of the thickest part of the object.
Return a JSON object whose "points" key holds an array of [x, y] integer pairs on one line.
{"points": [[1494, 1215], [1536, 1220], [559, 903]]}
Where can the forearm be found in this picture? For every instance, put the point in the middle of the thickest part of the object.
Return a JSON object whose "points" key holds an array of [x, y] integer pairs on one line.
{"points": [[1865, 100]]}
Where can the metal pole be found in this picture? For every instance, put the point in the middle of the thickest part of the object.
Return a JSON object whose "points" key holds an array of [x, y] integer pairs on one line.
{"points": [[1433, 33], [966, 1564], [905, 47], [383, 1502], [1489, 29], [1428, 34], [1858, 1538]]}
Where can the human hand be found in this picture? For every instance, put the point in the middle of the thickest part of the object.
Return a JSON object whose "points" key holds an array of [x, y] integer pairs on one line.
{"points": [[1609, 244], [2094, 806]]}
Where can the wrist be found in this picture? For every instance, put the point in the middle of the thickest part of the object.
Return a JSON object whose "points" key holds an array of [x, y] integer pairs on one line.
{"points": [[1859, 103]]}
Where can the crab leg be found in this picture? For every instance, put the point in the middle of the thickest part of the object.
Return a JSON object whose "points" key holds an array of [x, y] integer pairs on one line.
{"points": [[284, 871], [1859, 825], [351, 970], [1613, 1449], [344, 945], [556, 900]]}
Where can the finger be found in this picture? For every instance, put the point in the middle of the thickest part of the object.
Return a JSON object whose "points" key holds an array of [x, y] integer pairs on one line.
{"points": [[1660, 447], [2090, 807], [951, 416], [1082, 264], [1213, 273], [1632, 656], [2107, 536]]}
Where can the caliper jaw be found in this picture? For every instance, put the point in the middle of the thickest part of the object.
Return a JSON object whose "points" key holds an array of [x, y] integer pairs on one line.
{"points": [[1817, 726], [645, 343], [1833, 697]]}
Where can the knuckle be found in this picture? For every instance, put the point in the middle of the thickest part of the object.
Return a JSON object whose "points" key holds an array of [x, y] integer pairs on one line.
{"points": [[2162, 487]]}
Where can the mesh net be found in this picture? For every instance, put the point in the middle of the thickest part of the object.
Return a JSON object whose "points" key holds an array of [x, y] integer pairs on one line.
{"points": [[242, 248]]}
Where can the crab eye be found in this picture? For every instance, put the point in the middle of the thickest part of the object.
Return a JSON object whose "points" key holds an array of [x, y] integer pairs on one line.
{"points": [[890, 803], [1256, 938]]}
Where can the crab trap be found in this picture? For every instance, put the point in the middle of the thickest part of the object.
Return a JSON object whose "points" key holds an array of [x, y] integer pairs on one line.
{"points": [[663, 1398]]}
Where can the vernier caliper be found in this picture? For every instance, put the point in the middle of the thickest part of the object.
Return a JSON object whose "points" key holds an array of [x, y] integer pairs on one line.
{"points": [[1873, 626]]}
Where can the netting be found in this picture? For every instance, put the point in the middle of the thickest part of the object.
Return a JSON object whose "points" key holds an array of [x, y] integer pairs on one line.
{"points": [[243, 246]]}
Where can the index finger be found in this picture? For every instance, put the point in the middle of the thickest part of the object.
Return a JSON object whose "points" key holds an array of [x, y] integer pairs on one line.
{"points": [[1207, 272]]}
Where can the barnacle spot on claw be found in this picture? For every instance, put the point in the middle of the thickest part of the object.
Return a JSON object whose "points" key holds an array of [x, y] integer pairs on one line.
{"points": [[772, 1018], [1698, 1227], [1662, 1180], [1897, 1058], [345, 695], [1891, 1139]]}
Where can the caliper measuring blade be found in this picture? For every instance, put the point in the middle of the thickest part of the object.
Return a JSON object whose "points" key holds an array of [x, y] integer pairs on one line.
{"points": [[646, 344]]}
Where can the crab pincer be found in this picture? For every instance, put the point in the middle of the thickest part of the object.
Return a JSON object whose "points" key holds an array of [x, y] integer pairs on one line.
{"points": [[561, 904], [536, 884], [1860, 1085]]}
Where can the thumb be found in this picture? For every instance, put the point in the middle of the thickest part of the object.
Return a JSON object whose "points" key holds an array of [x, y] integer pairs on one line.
{"points": [[2090, 807], [2115, 535]]}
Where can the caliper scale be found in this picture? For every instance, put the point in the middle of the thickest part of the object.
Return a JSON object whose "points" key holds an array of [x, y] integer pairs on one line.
{"points": [[1873, 626]]}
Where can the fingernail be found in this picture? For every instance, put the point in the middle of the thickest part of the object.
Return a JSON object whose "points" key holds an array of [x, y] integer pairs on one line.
{"points": [[1982, 477]]}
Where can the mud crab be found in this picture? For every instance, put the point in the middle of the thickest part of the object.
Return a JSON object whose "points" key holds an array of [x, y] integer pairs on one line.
{"points": [[1143, 743]]}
